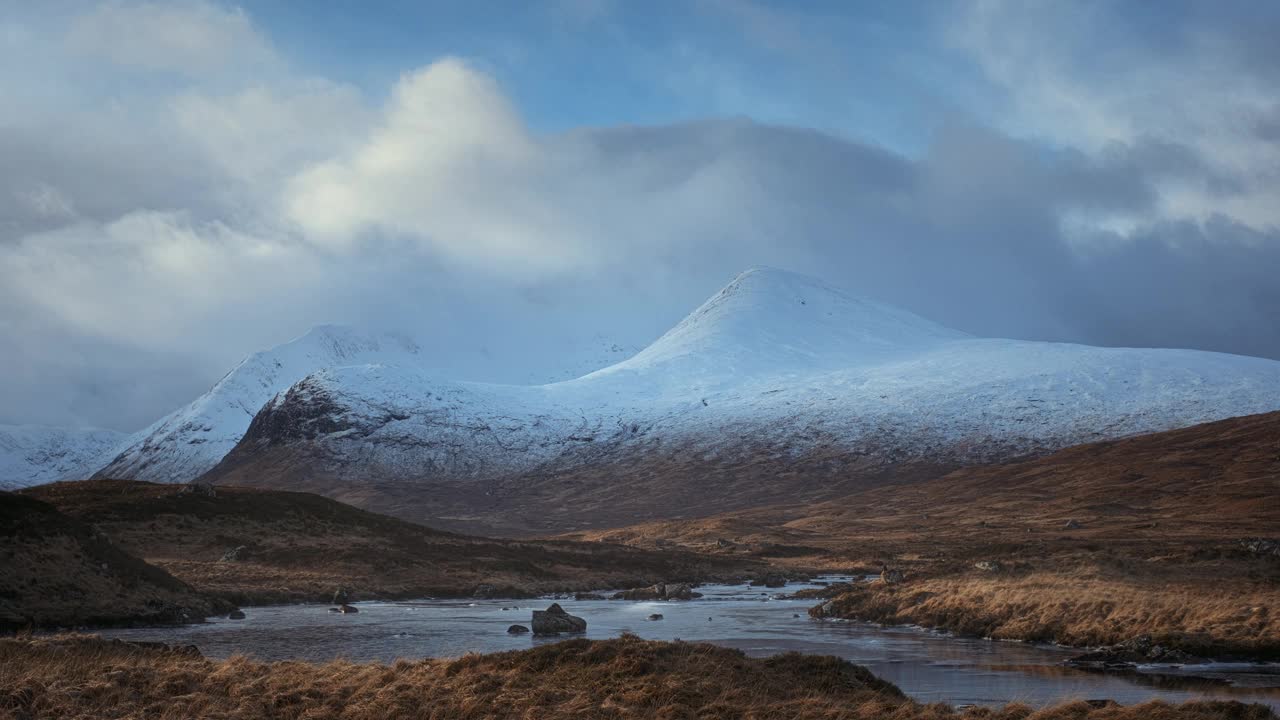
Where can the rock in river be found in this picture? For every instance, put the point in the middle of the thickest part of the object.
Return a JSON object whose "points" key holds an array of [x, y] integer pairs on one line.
{"points": [[554, 620]]}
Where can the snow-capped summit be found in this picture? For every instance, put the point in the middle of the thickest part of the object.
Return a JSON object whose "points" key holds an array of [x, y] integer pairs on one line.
{"points": [[190, 440], [35, 454], [775, 322]]}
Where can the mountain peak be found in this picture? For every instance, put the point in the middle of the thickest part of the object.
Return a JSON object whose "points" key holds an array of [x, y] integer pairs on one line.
{"points": [[772, 321]]}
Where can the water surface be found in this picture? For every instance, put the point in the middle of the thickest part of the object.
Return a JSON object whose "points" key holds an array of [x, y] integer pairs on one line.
{"points": [[927, 666]]}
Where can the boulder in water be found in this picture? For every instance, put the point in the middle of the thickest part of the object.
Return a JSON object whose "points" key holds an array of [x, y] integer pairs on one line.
{"points": [[517, 630], [554, 620]]}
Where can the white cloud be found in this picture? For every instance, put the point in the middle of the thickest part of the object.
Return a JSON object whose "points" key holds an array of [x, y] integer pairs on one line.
{"points": [[450, 166], [189, 37]]}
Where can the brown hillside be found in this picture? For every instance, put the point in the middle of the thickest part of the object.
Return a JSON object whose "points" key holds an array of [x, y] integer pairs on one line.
{"points": [[1157, 542], [297, 546], [59, 572]]}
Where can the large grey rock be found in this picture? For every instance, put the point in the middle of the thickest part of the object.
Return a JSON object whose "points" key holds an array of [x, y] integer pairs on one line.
{"points": [[554, 620]]}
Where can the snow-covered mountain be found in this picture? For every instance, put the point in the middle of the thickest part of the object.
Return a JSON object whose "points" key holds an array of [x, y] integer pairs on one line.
{"points": [[33, 454], [192, 439], [189, 441], [776, 385]]}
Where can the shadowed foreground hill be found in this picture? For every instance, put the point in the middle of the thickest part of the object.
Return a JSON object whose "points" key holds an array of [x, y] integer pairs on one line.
{"points": [[58, 572], [1096, 544], [256, 546], [84, 677]]}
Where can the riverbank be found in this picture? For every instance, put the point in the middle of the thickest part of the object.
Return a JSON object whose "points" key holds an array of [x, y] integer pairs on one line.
{"points": [[1151, 620], [87, 677]]}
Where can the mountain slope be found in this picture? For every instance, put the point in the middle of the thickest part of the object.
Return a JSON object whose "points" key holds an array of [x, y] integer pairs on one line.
{"points": [[777, 387], [258, 546], [190, 440], [1168, 535], [61, 572], [1214, 481], [33, 454]]}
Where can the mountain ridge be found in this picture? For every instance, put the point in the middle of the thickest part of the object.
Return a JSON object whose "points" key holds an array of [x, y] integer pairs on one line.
{"points": [[776, 370]]}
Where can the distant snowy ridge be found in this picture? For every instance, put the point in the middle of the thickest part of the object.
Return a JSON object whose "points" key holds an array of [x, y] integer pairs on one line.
{"points": [[775, 360], [33, 454], [192, 439]]}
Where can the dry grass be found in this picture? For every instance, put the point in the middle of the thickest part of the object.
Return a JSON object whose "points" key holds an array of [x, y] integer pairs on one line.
{"points": [[84, 677], [1077, 610]]}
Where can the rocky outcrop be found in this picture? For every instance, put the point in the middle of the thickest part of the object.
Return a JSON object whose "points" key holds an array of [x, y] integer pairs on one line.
{"points": [[517, 630], [1139, 650], [554, 621], [1261, 546], [235, 615], [236, 554], [659, 592]]}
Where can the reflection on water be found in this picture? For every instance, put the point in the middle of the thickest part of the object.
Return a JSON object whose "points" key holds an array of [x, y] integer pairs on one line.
{"points": [[928, 666]]}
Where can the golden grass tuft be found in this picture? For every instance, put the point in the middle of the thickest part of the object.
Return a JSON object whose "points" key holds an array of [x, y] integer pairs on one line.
{"points": [[1078, 610]]}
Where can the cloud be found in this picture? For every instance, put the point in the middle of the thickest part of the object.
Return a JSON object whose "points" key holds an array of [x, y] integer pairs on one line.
{"points": [[188, 37], [149, 240], [1196, 81]]}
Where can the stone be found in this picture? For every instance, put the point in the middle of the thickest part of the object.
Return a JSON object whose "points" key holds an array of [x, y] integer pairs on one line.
{"points": [[236, 554], [891, 576], [517, 630], [1072, 525], [1261, 546], [772, 580], [554, 620], [656, 616], [659, 591], [988, 565], [236, 614], [199, 489]]}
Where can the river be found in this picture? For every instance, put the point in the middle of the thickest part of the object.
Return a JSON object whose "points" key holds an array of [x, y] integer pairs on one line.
{"points": [[927, 666]]}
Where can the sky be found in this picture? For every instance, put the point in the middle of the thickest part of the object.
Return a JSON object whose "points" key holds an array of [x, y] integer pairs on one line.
{"points": [[514, 184]]}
